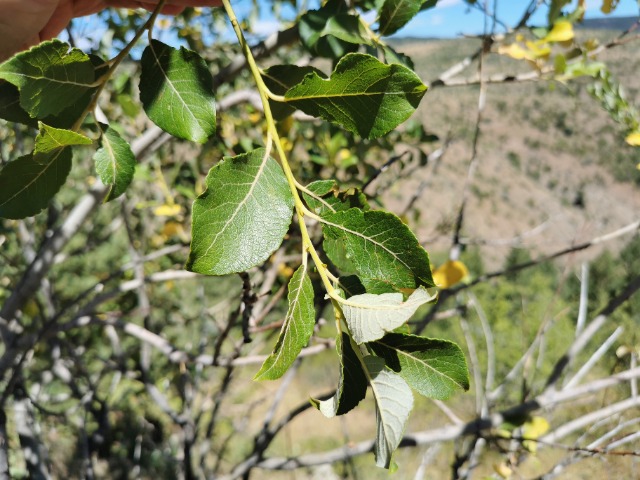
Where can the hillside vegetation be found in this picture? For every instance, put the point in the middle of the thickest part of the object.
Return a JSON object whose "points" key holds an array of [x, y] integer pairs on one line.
{"points": [[552, 169]]}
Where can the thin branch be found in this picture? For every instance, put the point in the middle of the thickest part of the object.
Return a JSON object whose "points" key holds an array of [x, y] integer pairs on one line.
{"points": [[581, 422], [261, 50], [599, 353], [584, 298], [587, 334], [453, 432]]}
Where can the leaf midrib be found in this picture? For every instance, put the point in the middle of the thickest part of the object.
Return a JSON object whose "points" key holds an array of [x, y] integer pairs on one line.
{"points": [[391, 17], [240, 204], [358, 234], [295, 303], [27, 185], [168, 80], [423, 362]]}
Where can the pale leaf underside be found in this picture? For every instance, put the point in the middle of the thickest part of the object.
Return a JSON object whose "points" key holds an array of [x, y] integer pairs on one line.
{"points": [[370, 316]]}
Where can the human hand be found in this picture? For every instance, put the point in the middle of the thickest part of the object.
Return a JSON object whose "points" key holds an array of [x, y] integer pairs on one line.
{"points": [[24, 23]]}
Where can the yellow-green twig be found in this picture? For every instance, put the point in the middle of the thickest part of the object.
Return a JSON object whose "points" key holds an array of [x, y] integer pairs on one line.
{"points": [[301, 210]]}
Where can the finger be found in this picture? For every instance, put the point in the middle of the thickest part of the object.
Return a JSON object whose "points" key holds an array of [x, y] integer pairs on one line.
{"points": [[67, 10], [170, 5], [20, 28]]}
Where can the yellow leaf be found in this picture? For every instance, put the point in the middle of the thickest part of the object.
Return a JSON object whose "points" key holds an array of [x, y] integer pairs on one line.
{"points": [[608, 6], [287, 145], [534, 429], [538, 49], [449, 273], [561, 32], [503, 470], [31, 309], [255, 117], [633, 139], [514, 51], [167, 210], [172, 229], [285, 270]]}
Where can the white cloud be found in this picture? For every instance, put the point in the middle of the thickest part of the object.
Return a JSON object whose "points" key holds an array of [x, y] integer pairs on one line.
{"points": [[264, 28], [436, 20], [448, 3]]}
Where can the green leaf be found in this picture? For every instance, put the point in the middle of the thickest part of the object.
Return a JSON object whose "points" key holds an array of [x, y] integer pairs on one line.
{"points": [[316, 27], [370, 316], [10, 108], [50, 139], [363, 95], [76, 107], [297, 327], [391, 56], [49, 76], [115, 162], [243, 215], [328, 198], [346, 27], [394, 402], [555, 9], [281, 78], [434, 368], [176, 89], [352, 386], [380, 247], [395, 14], [428, 4], [335, 249], [27, 185]]}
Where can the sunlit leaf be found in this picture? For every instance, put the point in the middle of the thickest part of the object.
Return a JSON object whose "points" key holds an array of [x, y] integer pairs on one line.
{"points": [[352, 387], [176, 90], [297, 327], [434, 368], [363, 95], [371, 316], [50, 139], [394, 402], [242, 216], [379, 246], [50, 76], [115, 162]]}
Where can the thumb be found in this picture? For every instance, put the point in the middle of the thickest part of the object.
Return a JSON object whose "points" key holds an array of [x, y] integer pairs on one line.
{"points": [[21, 22]]}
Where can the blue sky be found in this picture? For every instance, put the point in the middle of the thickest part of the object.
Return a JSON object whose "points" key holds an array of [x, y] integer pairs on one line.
{"points": [[450, 18], [453, 17]]}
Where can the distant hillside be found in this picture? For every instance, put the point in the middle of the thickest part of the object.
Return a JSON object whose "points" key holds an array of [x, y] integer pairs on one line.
{"points": [[609, 23], [553, 168]]}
